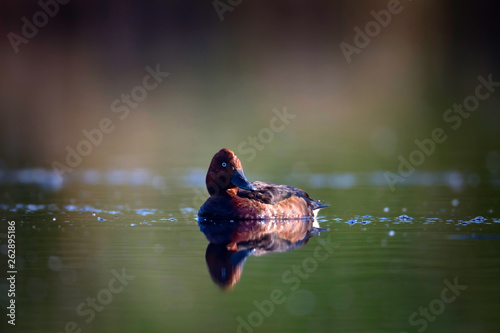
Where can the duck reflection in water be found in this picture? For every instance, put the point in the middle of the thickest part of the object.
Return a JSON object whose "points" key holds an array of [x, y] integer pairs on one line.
{"points": [[233, 241]]}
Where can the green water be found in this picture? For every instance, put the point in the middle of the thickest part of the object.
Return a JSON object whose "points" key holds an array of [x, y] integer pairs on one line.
{"points": [[356, 277]]}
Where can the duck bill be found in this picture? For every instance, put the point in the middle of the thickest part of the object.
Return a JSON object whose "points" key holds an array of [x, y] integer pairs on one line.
{"points": [[240, 180]]}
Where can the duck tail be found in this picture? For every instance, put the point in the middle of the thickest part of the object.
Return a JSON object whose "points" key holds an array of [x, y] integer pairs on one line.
{"points": [[318, 205]]}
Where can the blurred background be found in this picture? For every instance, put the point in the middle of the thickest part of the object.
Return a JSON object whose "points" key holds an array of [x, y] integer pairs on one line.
{"points": [[225, 78], [270, 81]]}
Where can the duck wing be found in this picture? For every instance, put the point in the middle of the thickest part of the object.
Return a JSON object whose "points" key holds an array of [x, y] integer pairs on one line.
{"points": [[273, 194]]}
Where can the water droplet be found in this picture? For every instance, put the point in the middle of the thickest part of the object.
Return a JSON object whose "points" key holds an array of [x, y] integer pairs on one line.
{"points": [[54, 263], [404, 218]]}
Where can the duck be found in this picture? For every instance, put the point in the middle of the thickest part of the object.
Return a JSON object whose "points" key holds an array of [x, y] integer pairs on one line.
{"points": [[232, 196]]}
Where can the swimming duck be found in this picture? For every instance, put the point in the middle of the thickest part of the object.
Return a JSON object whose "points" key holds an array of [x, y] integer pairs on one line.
{"points": [[232, 196]]}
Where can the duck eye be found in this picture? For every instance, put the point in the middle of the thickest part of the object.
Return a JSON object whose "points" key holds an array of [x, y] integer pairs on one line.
{"points": [[224, 164]]}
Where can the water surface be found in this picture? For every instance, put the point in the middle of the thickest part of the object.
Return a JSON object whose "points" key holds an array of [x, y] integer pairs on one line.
{"points": [[385, 257]]}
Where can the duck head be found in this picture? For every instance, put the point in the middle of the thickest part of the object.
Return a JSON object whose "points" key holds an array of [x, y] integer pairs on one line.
{"points": [[225, 264], [225, 174]]}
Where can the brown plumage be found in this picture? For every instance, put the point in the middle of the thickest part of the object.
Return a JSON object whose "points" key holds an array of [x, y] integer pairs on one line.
{"points": [[232, 196]]}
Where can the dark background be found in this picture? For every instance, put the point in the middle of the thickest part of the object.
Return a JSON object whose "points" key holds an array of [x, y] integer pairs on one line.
{"points": [[133, 201], [227, 76]]}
